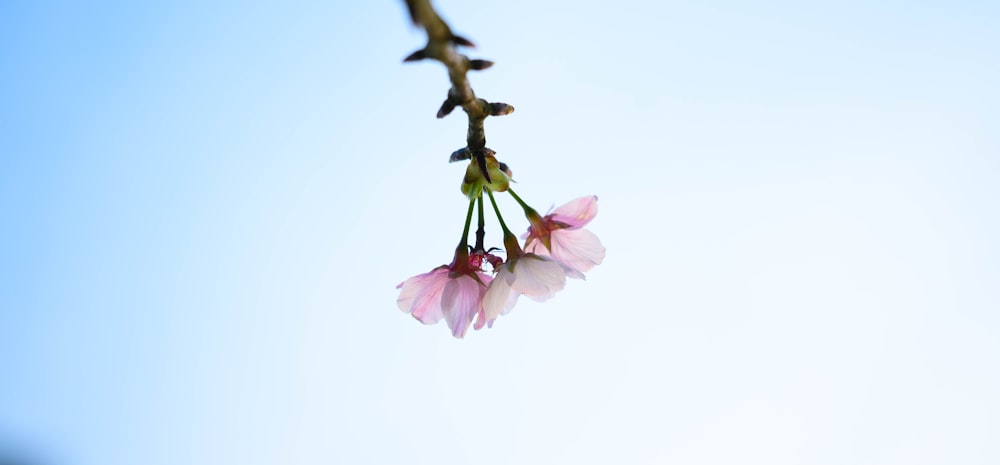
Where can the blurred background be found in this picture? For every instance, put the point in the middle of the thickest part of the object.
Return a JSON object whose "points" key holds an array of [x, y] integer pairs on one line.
{"points": [[206, 207]]}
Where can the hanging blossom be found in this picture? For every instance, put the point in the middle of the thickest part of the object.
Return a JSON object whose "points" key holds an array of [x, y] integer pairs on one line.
{"points": [[453, 292], [560, 235], [534, 275], [556, 247]]}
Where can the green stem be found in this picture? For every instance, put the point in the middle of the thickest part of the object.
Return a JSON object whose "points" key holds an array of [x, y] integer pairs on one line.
{"points": [[509, 239], [493, 201], [468, 222], [461, 263], [518, 198], [532, 215]]}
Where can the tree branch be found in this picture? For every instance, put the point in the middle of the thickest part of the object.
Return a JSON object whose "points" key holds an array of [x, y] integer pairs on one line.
{"points": [[441, 46]]}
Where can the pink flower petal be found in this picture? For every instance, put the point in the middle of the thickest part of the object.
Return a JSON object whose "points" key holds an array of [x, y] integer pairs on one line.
{"points": [[460, 301], [576, 213], [412, 287], [481, 319], [421, 295], [537, 248], [578, 249]]}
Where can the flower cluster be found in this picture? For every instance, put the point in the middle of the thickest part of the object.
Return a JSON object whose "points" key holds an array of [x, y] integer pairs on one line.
{"points": [[479, 286]]}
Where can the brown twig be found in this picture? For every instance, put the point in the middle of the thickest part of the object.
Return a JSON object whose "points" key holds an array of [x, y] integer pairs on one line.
{"points": [[442, 46]]}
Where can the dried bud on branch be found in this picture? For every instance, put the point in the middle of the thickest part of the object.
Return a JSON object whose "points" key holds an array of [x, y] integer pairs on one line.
{"points": [[500, 109], [416, 56], [459, 155], [479, 65], [446, 108], [459, 40]]}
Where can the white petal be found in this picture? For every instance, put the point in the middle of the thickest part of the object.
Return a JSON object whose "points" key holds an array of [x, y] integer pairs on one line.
{"points": [[499, 298], [538, 277]]}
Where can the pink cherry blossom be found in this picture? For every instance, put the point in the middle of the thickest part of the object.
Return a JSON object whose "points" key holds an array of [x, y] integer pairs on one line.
{"points": [[445, 293], [535, 276], [560, 235]]}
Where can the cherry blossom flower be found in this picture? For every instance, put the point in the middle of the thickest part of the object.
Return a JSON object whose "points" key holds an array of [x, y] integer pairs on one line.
{"points": [[536, 276], [452, 292], [560, 235]]}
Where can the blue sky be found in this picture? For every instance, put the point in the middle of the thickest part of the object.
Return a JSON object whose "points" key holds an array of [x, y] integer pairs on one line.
{"points": [[207, 207]]}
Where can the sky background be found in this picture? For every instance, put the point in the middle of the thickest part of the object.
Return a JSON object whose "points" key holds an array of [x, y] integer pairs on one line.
{"points": [[206, 207]]}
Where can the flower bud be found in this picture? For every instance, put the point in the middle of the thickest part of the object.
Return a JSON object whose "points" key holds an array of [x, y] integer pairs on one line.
{"points": [[475, 180]]}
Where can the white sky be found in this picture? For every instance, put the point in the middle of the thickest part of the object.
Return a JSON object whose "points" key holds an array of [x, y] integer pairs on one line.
{"points": [[208, 206]]}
